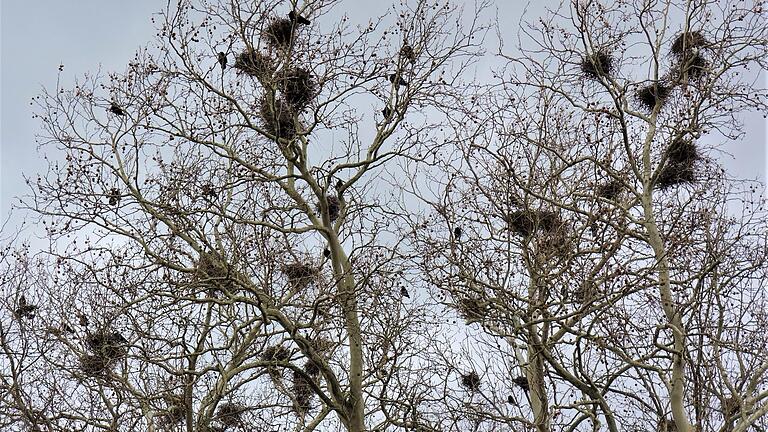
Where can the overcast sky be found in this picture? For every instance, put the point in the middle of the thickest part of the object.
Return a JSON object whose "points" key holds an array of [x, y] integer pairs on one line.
{"points": [[83, 35]]}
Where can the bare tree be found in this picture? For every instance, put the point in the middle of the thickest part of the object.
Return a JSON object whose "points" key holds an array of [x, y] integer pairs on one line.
{"points": [[222, 256], [616, 272]]}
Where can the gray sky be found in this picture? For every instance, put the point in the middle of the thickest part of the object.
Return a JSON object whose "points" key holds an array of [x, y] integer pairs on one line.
{"points": [[83, 35]]}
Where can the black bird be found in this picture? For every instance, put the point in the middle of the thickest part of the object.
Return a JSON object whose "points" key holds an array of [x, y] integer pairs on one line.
{"points": [[293, 16], [339, 184], [223, 60], [397, 81], [114, 197], [387, 111], [407, 52], [404, 292], [457, 233], [116, 110], [511, 400], [25, 309], [326, 252]]}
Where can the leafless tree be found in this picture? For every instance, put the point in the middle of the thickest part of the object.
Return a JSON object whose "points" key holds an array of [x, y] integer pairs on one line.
{"points": [[610, 272], [222, 250]]}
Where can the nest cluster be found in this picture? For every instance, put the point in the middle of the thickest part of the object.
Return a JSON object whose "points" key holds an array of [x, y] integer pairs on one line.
{"points": [[527, 222], [471, 381], [680, 165], [105, 349]]}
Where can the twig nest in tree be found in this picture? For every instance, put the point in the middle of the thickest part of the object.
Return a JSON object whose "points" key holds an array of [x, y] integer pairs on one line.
{"points": [[298, 87], [255, 64], [679, 168], [94, 365], [682, 151], [471, 309], [275, 354], [299, 274], [686, 42], [230, 414], [279, 33], [278, 118], [471, 381], [527, 222], [175, 411], [598, 64], [107, 345], [302, 392], [653, 94], [311, 369], [731, 406], [611, 189], [694, 66], [522, 382], [585, 292]]}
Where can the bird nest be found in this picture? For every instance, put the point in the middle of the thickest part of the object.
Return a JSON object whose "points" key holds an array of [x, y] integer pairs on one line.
{"points": [[94, 365], [731, 406], [211, 265], [522, 382], [175, 411], [471, 309], [279, 33], [685, 42], [527, 222], [311, 369], [275, 354], [230, 414], [471, 381], [298, 87], [610, 190], [585, 292], [651, 95], [682, 151], [680, 166], [278, 118], [107, 345], [596, 65], [334, 207], [693, 65], [302, 391], [299, 274], [255, 64]]}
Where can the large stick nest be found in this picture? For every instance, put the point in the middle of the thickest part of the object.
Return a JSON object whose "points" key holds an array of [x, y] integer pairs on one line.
{"points": [[653, 94], [302, 391], [279, 33], [611, 189], [596, 65], [680, 166], [255, 64], [299, 274], [278, 118], [686, 42], [527, 222], [471, 381], [230, 413], [107, 345], [334, 207], [693, 66], [298, 87], [94, 365]]}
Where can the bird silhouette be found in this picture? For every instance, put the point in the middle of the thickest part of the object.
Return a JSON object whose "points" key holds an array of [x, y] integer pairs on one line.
{"points": [[407, 53], [511, 400], [222, 60], [25, 309], [339, 184], [116, 110], [293, 16], [457, 233], [387, 111], [82, 319], [404, 292], [397, 80], [326, 252]]}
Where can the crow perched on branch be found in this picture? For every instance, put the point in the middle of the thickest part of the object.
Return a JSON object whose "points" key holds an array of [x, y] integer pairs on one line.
{"points": [[457, 233], [222, 60], [397, 81], [293, 16], [404, 292], [116, 109]]}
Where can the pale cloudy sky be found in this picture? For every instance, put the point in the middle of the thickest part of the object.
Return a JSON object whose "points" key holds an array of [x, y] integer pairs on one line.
{"points": [[83, 35]]}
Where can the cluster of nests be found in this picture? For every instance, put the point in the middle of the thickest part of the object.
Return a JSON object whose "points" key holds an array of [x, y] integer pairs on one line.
{"points": [[689, 64], [302, 379], [679, 164], [296, 86], [106, 348]]}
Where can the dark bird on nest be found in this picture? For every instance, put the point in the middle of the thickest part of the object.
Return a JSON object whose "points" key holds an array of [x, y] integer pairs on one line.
{"points": [[404, 292], [397, 81], [326, 252], [116, 110], [457, 233], [293, 16], [387, 111], [25, 309], [407, 53], [222, 60]]}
